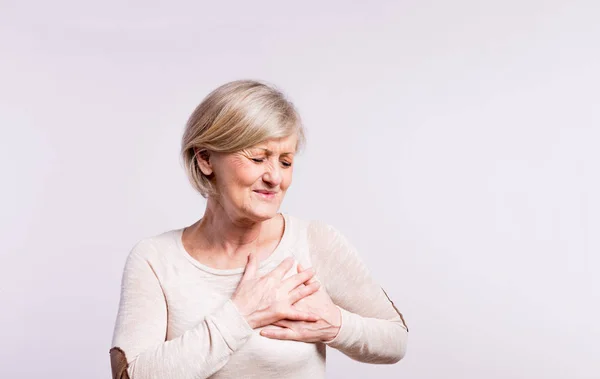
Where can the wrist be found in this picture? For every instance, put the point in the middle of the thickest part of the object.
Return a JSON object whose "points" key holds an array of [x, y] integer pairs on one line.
{"points": [[334, 319], [334, 316], [252, 320], [333, 332], [248, 316]]}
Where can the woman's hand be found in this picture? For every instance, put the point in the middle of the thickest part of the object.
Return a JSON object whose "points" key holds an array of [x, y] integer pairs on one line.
{"points": [[324, 329], [268, 299]]}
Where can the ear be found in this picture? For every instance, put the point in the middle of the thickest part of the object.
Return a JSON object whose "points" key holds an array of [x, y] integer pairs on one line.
{"points": [[203, 159]]}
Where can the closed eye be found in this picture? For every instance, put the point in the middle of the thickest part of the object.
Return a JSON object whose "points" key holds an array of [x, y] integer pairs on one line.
{"points": [[258, 160]]}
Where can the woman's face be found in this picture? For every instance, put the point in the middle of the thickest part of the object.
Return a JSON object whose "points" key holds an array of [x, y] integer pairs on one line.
{"points": [[251, 183]]}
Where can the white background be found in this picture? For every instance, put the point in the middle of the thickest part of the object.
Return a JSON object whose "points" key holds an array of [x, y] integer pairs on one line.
{"points": [[454, 142]]}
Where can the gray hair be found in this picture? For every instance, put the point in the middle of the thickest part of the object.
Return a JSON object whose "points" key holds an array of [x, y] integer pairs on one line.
{"points": [[233, 117]]}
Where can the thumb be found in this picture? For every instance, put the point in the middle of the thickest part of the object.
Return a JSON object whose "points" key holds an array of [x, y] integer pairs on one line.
{"points": [[251, 266], [301, 268]]}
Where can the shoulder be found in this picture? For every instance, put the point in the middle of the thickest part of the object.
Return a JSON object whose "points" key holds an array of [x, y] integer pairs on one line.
{"points": [[306, 227], [155, 248], [317, 233]]}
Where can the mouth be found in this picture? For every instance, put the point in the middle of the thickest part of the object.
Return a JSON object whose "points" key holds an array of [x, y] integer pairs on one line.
{"points": [[265, 194]]}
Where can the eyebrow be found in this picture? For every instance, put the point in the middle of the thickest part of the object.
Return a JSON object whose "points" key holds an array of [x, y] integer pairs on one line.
{"points": [[269, 152]]}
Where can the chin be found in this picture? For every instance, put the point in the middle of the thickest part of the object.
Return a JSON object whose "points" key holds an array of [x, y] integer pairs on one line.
{"points": [[263, 212]]}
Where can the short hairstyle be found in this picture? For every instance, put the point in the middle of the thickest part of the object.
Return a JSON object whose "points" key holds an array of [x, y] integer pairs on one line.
{"points": [[233, 117]]}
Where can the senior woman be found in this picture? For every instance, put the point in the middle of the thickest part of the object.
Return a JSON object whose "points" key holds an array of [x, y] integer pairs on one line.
{"points": [[246, 291]]}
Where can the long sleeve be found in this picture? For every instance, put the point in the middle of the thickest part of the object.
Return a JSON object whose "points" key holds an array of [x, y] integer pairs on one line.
{"points": [[372, 329], [139, 348]]}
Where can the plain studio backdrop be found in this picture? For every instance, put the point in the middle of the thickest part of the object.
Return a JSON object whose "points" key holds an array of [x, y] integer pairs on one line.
{"points": [[454, 142]]}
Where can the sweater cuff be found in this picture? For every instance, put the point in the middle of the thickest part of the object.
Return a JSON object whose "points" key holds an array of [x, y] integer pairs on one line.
{"points": [[233, 326], [348, 331]]}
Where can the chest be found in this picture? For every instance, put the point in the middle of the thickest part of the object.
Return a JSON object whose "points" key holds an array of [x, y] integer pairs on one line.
{"points": [[190, 301]]}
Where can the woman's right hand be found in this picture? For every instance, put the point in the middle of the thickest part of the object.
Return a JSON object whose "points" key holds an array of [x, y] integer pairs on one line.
{"points": [[268, 299]]}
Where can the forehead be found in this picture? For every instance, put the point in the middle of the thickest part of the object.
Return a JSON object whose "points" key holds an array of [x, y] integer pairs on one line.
{"points": [[285, 145]]}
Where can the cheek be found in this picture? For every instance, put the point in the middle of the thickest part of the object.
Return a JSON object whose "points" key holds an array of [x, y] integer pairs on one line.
{"points": [[287, 178], [240, 173], [236, 178], [245, 177]]}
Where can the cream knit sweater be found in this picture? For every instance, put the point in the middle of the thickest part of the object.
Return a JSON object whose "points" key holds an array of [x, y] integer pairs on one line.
{"points": [[176, 319]]}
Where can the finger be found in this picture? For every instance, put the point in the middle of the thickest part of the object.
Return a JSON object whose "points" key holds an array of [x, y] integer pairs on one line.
{"points": [[285, 324], [297, 279], [279, 334], [301, 268], [282, 268], [301, 292], [298, 268], [272, 326], [251, 267], [295, 315]]}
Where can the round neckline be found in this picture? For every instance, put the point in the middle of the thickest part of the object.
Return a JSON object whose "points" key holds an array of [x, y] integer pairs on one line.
{"points": [[239, 270]]}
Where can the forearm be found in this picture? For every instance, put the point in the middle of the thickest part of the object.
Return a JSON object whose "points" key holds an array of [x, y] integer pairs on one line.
{"points": [[370, 340], [197, 353], [372, 328]]}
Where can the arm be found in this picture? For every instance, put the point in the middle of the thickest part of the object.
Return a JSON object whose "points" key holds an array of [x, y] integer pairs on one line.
{"points": [[372, 329], [139, 348]]}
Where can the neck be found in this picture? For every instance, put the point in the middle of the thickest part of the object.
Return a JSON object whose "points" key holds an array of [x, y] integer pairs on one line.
{"points": [[219, 231]]}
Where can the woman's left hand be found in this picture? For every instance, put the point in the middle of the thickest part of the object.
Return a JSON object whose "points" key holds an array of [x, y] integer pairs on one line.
{"points": [[322, 330]]}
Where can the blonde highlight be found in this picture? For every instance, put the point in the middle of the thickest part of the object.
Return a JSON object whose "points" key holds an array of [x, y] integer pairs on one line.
{"points": [[233, 117]]}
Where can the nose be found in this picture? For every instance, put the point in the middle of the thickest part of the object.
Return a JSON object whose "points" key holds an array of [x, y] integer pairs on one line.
{"points": [[272, 175]]}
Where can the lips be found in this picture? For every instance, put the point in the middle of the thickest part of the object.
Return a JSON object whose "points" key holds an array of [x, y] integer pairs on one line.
{"points": [[266, 195], [265, 192]]}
